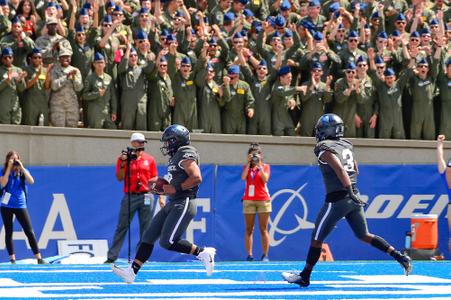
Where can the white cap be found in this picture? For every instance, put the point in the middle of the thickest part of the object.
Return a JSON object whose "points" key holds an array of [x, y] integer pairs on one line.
{"points": [[139, 137]]}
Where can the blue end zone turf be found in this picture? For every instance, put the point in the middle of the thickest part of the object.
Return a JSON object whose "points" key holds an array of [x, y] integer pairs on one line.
{"points": [[231, 280]]}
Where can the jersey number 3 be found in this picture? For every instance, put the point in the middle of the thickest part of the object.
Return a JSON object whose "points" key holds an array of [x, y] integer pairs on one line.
{"points": [[348, 160]]}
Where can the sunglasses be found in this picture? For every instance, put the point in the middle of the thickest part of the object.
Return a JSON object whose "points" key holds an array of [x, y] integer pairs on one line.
{"points": [[380, 67], [400, 22], [134, 54], [350, 72], [353, 40], [117, 15], [106, 25], [362, 65], [141, 41], [263, 68], [163, 66], [415, 40]]}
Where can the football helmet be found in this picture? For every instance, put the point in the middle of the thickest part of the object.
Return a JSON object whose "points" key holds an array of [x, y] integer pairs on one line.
{"points": [[174, 137], [329, 127]]}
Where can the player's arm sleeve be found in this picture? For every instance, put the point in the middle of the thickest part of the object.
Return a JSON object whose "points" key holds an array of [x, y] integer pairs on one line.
{"points": [[188, 155]]}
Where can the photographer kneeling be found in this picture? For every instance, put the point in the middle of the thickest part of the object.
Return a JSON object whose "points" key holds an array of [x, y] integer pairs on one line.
{"points": [[13, 195], [256, 199], [142, 169]]}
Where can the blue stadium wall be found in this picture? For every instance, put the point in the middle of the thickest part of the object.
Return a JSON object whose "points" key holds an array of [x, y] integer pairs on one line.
{"points": [[83, 203]]}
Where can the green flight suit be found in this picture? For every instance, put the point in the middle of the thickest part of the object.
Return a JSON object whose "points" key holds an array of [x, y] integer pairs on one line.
{"points": [[444, 84], [313, 106], [209, 103], [10, 110], [36, 98], [158, 108], [281, 120], [345, 106], [133, 99], [238, 99], [390, 106], [185, 109], [261, 90], [422, 124], [20, 49], [346, 56], [100, 108], [367, 108]]}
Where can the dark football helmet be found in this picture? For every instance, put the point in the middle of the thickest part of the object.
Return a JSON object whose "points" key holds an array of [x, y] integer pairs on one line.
{"points": [[174, 137], [329, 127]]}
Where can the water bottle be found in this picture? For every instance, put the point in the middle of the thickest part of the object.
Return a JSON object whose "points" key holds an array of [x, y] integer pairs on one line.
{"points": [[41, 120], [408, 241]]}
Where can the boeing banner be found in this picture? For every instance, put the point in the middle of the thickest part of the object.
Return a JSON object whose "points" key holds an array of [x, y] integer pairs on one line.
{"points": [[82, 203]]}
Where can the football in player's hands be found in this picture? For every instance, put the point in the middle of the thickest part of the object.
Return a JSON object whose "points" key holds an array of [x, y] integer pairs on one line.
{"points": [[156, 185]]}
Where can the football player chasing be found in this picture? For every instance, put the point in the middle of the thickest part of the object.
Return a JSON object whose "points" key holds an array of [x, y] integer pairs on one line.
{"points": [[339, 169], [171, 222]]}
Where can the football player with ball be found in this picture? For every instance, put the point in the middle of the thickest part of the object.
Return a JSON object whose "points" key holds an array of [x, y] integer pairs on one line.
{"points": [[180, 185]]}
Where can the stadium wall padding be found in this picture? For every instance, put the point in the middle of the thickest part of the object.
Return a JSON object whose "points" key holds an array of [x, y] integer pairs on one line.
{"points": [[83, 203]]}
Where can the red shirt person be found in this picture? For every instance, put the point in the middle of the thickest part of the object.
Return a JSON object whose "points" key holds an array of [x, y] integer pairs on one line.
{"points": [[256, 199], [142, 170]]}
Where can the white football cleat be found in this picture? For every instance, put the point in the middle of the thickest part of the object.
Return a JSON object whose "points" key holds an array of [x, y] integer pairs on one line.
{"points": [[207, 257], [126, 274]]}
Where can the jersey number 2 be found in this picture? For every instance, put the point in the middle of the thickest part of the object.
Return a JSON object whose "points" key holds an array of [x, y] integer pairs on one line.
{"points": [[348, 160]]}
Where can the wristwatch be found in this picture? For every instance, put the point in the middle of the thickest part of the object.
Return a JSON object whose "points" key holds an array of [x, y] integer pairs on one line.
{"points": [[449, 163]]}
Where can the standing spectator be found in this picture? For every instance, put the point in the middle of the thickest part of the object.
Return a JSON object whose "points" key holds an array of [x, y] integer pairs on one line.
{"points": [[27, 14], [283, 98], [389, 91], [52, 43], [19, 42], [239, 102], [339, 169], [261, 82], [36, 96], [100, 95], [161, 95], [256, 200], [443, 82], [183, 85], [445, 172], [367, 109], [143, 169], [350, 53], [422, 83], [313, 102], [133, 82], [65, 83], [171, 222], [348, 92], [209, 97], [11, 83], [13, 192]]}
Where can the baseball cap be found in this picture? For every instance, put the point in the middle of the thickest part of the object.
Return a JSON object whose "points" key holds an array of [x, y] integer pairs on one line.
{"points": [[138, 137]]}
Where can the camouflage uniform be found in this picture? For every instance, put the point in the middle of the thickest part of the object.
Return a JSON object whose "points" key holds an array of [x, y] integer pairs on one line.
{"points": [[63, 99]]}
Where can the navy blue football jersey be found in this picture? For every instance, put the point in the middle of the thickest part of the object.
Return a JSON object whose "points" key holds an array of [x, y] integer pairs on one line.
{"points": [[176, 174], [343, 149]]}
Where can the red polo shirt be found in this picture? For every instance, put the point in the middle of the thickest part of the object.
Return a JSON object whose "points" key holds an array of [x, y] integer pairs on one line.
{"points": [[142, 170], [260, 190]]}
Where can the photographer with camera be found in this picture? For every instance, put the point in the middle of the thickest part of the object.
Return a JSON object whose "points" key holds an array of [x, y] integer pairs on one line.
{"points": [[136, 191], [13, 196], [256, 199]]}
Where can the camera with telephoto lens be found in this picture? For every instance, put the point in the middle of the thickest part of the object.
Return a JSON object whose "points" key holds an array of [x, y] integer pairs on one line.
{"points": [[16, 163], [130, 153], [255, 159]]}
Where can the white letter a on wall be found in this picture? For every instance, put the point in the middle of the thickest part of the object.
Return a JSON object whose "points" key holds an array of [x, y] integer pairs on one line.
{"points": [[59, 207]]}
